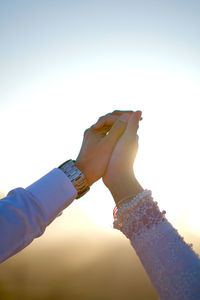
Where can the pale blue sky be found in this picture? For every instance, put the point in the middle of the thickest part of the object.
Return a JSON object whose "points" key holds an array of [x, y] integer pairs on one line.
{"points": [[50, 37], [65, 63]]}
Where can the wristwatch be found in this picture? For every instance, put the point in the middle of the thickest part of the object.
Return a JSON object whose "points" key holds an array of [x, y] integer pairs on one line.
{"points": [[76, 176]]}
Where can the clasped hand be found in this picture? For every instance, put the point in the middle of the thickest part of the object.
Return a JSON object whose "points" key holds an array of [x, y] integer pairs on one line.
{"points": [[109, 150]]}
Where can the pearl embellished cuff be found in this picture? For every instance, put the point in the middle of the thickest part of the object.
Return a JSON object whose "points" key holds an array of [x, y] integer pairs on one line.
{"points": [[137, 215]]}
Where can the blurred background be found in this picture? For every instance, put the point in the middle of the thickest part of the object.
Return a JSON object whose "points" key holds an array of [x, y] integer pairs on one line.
{"points": [[62, 65]]}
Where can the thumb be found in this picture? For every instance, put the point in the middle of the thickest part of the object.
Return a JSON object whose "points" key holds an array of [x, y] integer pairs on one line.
{"points": [[133, 122], [117, 130]]}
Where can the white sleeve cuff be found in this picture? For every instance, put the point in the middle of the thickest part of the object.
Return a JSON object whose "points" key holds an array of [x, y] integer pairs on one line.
{"points": [[53, 192]]}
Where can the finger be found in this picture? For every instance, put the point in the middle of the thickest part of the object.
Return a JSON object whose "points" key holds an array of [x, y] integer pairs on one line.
{"points": [[108, 121], [121, 112], [105, 121], [129, 139], [100, 121], [133, 124], [116, 131]]}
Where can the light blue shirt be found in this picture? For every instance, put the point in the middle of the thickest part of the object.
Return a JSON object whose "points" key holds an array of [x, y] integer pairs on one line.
{"points": [[25, 213]]}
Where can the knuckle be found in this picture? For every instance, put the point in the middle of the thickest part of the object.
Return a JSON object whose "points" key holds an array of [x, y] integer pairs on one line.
{"points": [[105, 116], [100, 118], [115, 111], [86, 131]]}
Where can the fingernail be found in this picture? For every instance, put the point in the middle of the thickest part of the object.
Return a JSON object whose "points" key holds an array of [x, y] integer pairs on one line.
{"points": [[138, 114], [124, 117]]}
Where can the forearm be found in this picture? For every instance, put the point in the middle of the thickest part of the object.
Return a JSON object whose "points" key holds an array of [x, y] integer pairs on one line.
{"points": [[171, 264], [25, 213]]}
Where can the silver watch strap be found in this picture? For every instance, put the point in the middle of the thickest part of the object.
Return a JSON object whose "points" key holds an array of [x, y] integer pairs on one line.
{"points": [[76, 176]]}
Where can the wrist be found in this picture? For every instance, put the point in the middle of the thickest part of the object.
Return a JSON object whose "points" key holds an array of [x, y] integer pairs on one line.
{"points": [[125, 186]]}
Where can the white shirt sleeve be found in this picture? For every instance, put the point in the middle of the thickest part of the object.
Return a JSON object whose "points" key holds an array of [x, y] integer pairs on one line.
{"points": [[25, 213]]}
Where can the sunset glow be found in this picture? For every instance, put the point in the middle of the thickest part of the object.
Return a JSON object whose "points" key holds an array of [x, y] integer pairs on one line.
{"points": [[63, 64]]}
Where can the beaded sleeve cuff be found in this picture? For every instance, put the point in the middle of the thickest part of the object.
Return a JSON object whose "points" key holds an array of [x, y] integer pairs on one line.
{"points": [[142, 211], [172, 265]]}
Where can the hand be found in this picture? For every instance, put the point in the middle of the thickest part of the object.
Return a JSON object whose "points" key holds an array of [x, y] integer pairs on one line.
{"points": [[119, 176], [98, 144]]}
